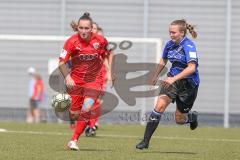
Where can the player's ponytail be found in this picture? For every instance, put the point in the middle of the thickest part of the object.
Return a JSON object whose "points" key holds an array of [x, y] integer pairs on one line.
{"points": [[184, 26], [74, 26], [191, 30]]}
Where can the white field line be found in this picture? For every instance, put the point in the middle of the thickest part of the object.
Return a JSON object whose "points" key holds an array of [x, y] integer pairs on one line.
{"points": [[125, 136], [2, 130]]}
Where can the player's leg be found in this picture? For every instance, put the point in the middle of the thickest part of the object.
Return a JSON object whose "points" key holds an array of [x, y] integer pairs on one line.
{"points": [[183, 115], [96, 123], [30, 115], [184, 102], [167, 95], [180, 118], [75, 111], [94, 118], [154, 119], [93, 122], [36, 111], [84, 117]]}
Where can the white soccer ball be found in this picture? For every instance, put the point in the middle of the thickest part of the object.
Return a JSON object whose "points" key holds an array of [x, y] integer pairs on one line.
{"points": [[61, 102]]}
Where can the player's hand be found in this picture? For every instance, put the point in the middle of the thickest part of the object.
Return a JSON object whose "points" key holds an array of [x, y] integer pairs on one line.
{"points": [[168, 82], [153, 81], [70, 82], [111, 79]]}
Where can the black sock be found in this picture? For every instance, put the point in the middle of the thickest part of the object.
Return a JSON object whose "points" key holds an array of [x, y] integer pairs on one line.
{"points": [[152, 124], [189, 118]]}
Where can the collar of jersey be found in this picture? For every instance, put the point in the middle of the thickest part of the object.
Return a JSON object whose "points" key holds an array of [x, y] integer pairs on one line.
{"points": [[183, 40]]}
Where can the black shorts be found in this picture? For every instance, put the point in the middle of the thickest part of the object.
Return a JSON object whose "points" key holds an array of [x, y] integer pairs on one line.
{"points": [[183, 92]]}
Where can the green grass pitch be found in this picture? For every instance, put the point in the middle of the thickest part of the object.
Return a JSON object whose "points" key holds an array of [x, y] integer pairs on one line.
{"points": [[117, 142]]}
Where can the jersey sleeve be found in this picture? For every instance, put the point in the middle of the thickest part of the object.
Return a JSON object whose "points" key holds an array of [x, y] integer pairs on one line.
{"points": [[191, 52], [165, 50], [106, 47], [66, 52]]}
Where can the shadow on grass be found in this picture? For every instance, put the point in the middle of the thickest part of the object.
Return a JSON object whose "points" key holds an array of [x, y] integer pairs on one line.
{"points": [[87, 150], [170, 152], [96, 150]]}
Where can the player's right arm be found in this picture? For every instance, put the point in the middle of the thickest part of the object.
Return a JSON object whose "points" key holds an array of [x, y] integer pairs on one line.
{"points": [[158, 70], [162, 63], [64, 57]]}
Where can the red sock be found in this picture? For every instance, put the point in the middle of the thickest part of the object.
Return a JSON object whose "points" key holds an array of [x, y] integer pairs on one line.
{"points": [[96, 113], [93, 122], [79, 129]]}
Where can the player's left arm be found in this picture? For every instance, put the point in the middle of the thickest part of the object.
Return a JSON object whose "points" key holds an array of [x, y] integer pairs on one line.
{"points": [[109, 61], [110, 65]]}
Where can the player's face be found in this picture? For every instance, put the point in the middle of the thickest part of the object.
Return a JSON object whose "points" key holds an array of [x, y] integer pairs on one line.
{"points": [[175, 34], [85, 29], [94, 28]]}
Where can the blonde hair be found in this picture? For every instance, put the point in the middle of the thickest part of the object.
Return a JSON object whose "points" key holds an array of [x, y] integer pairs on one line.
{"points": [[184, 26]]}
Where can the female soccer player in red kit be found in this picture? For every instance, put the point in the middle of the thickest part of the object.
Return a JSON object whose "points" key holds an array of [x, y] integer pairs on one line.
{"points": [[87, 51], [94, 122]]}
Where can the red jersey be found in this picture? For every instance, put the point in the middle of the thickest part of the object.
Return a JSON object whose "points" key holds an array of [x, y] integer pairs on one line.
{"points": [[86, 57], [38, 90]]}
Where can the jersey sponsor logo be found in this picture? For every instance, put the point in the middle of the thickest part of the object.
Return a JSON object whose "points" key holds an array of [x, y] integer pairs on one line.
{"points": [[190, 46], [96, 45], [193, 54], [63, 53], [87, 57], [175, 55]]}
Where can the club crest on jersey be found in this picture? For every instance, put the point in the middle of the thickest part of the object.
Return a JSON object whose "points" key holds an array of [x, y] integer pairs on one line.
{"points": [[78, 48], [96, 45]]}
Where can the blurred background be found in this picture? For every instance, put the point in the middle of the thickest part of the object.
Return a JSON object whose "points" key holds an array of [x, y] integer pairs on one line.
{"points": [[217, 23]]}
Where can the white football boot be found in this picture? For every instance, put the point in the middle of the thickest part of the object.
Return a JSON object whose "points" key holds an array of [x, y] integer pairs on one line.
{"points": [[72, 145]]}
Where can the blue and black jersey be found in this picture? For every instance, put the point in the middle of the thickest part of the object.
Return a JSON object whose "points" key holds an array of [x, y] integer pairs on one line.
{"points": [[180, 55]]}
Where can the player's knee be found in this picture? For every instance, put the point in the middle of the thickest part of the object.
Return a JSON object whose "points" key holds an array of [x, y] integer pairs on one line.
{"points": [[162, 103], [87, 105]]}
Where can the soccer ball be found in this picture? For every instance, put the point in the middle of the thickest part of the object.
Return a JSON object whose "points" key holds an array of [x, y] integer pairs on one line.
{"points": [[61, 102]]}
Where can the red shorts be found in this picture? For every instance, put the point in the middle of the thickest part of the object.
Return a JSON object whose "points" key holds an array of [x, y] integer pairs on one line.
{"points": [[87, 89], [80, 91]]}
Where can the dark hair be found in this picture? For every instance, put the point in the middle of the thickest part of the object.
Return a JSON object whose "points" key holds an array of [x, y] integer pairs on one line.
{"points": [[85, 16], [184, 26]]}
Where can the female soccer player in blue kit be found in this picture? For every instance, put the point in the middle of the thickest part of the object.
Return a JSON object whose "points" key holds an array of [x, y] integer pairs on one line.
{"points": [[182, 81]]}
